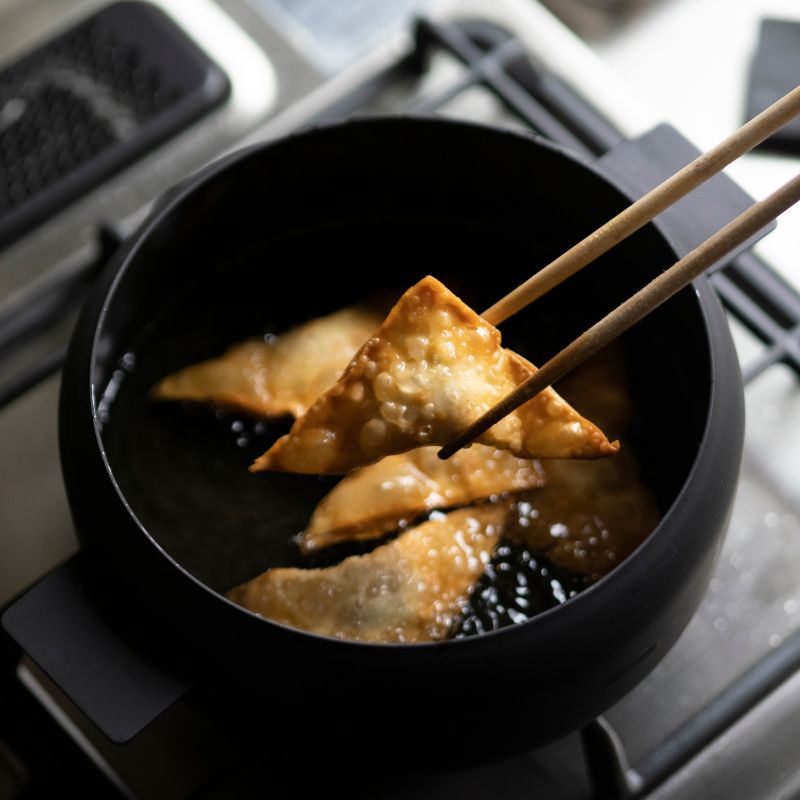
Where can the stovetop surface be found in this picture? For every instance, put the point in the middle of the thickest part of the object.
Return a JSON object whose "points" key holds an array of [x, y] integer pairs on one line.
{"points": [[752, 607]]}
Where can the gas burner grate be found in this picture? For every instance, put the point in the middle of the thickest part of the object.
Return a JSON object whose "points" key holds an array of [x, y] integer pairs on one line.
{"points": [[770, 308]]}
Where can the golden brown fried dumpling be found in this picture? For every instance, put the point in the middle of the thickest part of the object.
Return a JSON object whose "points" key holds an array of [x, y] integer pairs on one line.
{"points": [[375, 500], [282, 376], [409, 590], [590, 515], [432, 367]]}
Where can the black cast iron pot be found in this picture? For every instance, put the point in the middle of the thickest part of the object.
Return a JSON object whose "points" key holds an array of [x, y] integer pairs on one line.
{"points": [[283, 232]]}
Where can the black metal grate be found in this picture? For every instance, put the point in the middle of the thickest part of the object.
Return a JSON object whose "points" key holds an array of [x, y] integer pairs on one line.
{"points": [[770, 308]]}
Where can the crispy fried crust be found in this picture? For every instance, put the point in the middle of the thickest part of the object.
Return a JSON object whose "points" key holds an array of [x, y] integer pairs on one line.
{"points": [[410, 590], [374, 500], [283, 376], [591, 515], [429, 370]]}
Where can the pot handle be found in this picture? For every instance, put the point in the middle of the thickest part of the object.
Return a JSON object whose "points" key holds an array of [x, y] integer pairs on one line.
{"points": [[749, 288], [117, 685], [639, 165]]}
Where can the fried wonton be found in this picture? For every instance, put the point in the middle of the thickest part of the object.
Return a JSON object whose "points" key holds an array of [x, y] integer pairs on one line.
{"points": [[282, 376], [377, 499], [590, 515], [430, 369], [409, 590]]}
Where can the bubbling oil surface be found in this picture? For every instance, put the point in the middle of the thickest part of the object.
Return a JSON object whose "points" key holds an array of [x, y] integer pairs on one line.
{"points": [[517, 584], [185, 472]]}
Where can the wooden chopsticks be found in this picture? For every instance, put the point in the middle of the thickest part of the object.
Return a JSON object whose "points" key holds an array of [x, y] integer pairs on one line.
{"points": [[645, 208], [661, 288]]}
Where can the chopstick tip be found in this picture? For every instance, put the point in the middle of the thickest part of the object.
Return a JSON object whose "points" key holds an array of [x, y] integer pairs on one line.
{"points": [[446, 451]]}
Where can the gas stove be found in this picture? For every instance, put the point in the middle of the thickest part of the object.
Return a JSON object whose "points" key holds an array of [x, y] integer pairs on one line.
{"points": [[720, 716]]}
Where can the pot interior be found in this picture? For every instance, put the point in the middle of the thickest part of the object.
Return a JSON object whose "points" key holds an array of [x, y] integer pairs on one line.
{"points": [[291, 231]]}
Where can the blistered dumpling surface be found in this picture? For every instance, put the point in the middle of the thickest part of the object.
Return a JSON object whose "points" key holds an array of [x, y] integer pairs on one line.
{"points": [[376, 499], [409, 590], [432, 367], [284, 375], [590, 515]]}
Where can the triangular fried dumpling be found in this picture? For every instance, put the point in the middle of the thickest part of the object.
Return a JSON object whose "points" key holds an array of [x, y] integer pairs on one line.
{"points": [[433, 367], [376, 499], [409, 590], [590, 515], [282, 376]]}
